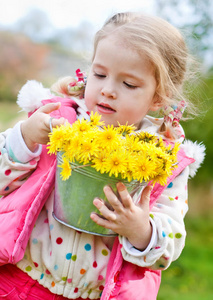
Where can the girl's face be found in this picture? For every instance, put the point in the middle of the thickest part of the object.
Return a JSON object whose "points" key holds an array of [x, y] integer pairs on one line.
{"points": [[121, 84]]}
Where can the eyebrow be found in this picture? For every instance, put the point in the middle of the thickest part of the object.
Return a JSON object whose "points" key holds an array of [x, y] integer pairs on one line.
{"points": [[99, 65]]}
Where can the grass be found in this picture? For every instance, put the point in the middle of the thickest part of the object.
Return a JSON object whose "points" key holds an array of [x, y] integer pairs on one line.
{"points": [[9, 115]]}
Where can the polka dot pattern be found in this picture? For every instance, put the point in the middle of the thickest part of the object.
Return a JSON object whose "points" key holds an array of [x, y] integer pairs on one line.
{"points": [[59, 240], [52, 284], [74, 257], [178, 235], [170, 185], [68, 256], [95, 264], [7, 172], [28, 268], [87, 247], [105, 252]]}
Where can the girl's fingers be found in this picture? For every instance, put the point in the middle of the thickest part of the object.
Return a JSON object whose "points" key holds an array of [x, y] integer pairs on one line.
{"points": [[145, 196], [48, 108], [113, 199], [124, 195], [104, 210], [100, 220], [58, 122]]}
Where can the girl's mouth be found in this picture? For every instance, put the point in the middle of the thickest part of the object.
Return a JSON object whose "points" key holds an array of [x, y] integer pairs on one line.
{"points": [[105, 108]]}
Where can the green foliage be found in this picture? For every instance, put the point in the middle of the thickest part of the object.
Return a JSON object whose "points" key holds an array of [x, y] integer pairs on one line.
{"points": [[194, 18], [200, 129], [190, 277]]}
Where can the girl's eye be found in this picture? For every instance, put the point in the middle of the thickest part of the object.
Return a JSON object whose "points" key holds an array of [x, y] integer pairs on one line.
{"points": [[130, 85], [99, 75]]}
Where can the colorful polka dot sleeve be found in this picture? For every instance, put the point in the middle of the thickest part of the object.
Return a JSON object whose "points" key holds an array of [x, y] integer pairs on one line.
{"points": [[168, 215], [12, 174]]}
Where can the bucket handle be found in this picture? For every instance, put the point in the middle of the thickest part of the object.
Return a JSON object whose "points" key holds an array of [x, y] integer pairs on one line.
{"points": [[50, 124]]}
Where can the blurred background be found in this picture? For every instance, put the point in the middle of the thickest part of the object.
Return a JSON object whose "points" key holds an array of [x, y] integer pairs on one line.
{"points": [[47, 39]]}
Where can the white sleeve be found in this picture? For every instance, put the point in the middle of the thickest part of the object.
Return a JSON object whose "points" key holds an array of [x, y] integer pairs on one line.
{"points": [[130, 249], [16, 161], [16, 147], [169, 238]]}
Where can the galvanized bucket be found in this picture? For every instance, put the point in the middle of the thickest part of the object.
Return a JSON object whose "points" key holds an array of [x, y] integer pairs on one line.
{"points": [[74, 197]]}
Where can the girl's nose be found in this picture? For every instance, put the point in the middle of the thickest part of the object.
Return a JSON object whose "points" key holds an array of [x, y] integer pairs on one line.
{"points": [[109, 92]]}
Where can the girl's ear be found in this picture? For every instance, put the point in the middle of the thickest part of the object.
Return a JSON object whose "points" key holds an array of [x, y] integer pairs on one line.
{"points": [[157, 103]]}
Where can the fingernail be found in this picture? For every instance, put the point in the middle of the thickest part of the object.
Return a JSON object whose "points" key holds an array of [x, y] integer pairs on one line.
{"points": [[121, 186]]}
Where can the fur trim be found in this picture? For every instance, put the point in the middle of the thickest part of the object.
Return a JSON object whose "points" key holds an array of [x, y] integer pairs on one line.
{"points": [[31, 95], [196, 151]]}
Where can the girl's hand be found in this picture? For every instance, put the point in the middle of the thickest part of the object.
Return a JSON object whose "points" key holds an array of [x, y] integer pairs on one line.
{"points": [[126, 218], [35, 130]]}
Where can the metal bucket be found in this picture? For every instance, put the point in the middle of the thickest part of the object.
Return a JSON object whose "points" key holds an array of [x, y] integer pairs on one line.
{"points": [[74, 197]]}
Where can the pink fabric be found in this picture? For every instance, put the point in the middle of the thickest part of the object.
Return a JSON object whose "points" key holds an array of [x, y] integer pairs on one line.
{"points": [[16, 285], [127, 281], [20, 209]]}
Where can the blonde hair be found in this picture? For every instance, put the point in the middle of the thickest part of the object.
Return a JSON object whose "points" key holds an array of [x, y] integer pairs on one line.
{"points": [[162, 44], [164, 47], [62, 87]]}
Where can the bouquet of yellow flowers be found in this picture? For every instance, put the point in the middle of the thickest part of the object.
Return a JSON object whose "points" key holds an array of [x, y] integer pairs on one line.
{"points": [[91, 155], [117, 151]]}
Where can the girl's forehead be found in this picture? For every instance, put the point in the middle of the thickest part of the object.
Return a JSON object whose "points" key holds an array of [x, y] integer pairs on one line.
{"points": [[111, 48]]}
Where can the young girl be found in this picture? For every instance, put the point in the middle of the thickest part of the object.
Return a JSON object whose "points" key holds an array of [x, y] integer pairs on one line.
{"points": [[139, 65]]}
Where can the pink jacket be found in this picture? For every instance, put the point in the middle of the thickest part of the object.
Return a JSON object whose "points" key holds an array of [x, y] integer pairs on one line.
{"points": [[20, 209]]}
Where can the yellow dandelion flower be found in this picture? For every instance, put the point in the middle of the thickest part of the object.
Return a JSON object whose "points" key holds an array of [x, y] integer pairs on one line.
{"points": [[109, 138], [131, 142], [113, 150], [161, 157], [88, 150], [128, 175], [144, 169], [160, 178], [66, 169], [173, 152], [56, 140], [81, 126], [146, 137], [95, 119], [72, 148], [160, 143], [116, 163], [125, 129], [98, 162]]}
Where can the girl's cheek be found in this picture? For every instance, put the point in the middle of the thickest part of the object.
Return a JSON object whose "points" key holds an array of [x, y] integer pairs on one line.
{"points": [[88, 102]]}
